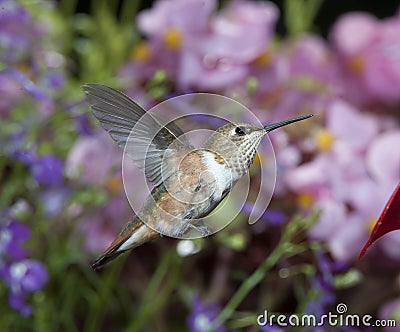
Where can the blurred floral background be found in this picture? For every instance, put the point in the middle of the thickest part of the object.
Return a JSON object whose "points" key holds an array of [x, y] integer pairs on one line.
{"points": [[61, 195]]}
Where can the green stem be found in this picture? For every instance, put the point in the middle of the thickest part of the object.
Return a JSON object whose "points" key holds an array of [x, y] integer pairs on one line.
{"points": [[284, 249], [128, 12], [164, 281], [300, 15], [102, 295], [251, 282]]}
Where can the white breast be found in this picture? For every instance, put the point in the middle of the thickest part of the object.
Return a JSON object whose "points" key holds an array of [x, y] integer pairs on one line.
{"points": [[221, 174]]}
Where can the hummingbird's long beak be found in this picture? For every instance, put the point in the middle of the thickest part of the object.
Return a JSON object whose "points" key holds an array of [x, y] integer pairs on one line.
{"points": [[286, 122]]}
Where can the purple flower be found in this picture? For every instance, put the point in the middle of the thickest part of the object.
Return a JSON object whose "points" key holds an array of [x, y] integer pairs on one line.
{"points": [[30, 69], [270, 217], [22, 278], [18, 302], [54, 200], [53, 80], [368, 54], [83, 125], [21, 275], [12, 237], [269, 328], [44, 100], [11, 92], [48, 170], [27, 157], [18, 32], [391, 310], [202, 316], [27, 276], [274, 217], [322, 285]]}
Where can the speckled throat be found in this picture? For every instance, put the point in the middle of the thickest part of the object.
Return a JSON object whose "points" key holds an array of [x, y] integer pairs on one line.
{"points": [[237, 152]]}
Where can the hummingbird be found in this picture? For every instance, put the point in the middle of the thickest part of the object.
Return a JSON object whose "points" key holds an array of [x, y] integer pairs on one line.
{"points": [[188, 183]]}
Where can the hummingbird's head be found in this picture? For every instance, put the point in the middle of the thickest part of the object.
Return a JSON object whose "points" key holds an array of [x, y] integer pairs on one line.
{"points": [[237, 143]]}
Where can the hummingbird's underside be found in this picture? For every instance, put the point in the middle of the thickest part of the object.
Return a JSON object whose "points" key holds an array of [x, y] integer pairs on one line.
{"points": [[188, 183]]}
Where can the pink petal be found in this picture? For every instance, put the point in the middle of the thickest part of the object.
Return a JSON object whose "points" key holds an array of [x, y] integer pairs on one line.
{"points": [[333, 216], [350, 125], [188, 16], [244, 29], [388, 221], [310, 176], [347, 238], [353, 32], [383, 157]]}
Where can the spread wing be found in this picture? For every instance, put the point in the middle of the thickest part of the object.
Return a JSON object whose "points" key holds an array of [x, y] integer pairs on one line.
{"points": [[153, 145]]}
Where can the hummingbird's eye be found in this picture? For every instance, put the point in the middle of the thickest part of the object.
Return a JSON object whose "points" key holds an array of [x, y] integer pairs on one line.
{"points": [[239, 131]]}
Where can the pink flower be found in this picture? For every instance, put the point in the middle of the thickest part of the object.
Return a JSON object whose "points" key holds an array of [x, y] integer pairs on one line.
{"points": [[96, 160], [349, 179], [198, 49], [368, 53], [368, 196], [245, 24], [169, 26], [298, 77], [342, 231], [92, 158], [188, 16], [389, 220], [238, 35], [383, 164], [371, 192], [350, 126], [341, 147], [348, 237], [381, 151]]}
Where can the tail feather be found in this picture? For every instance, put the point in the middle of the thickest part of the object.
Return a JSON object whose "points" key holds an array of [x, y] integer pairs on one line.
{"points": [[105, 258], [114, 250]]}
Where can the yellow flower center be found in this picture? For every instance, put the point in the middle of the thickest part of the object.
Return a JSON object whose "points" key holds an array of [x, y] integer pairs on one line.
{"points": [[173, 39], [141, 52], [357, 64], [114, 184], [305, 200], [371, 224], [23, 68], [264, 59], [324, 140]]}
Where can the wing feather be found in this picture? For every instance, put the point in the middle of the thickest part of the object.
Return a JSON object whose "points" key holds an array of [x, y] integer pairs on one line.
{"points": [[149, 143]]}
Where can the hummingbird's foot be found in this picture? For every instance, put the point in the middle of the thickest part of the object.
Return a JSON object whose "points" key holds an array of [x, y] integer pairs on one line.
{"points": [[201, 228]]}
